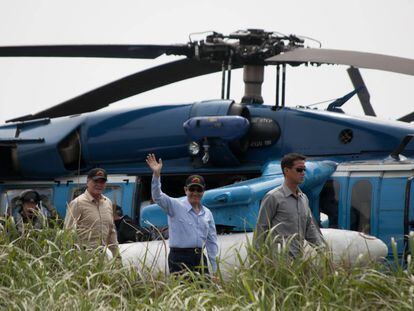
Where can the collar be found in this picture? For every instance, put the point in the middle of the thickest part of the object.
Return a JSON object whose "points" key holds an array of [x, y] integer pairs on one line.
{"points": [[90, 198], [287, 192], [189, 208]]}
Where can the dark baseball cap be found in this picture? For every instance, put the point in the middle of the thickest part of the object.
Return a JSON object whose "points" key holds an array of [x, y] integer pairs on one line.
{"points": [[97, 173], [195, 180]]}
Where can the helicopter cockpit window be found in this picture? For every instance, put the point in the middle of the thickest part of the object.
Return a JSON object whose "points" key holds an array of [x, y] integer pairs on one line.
{"points": [[361, 206], [9, 197], [328, 204]]}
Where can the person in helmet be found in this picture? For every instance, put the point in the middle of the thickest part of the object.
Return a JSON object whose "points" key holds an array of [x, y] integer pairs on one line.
{"points": [[28, 210]]}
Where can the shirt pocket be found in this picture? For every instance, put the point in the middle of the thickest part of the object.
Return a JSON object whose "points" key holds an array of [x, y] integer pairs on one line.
{"points": [[203, 227], [283, 210], [185, 222], [182, 226]]}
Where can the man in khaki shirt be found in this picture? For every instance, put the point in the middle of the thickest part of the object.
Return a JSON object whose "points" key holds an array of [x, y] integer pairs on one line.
{"points": [[91, 214]]}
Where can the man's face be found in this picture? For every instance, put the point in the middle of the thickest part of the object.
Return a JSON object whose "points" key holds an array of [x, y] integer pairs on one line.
{"points": [[296, 174], [194, 194], [29, 209], [96, 187]]}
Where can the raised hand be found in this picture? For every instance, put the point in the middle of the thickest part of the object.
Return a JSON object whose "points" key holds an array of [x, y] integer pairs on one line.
{"points": [[154, 165]]}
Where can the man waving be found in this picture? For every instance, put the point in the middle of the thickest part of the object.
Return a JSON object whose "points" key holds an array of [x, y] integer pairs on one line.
{"points": [[191, 225]]}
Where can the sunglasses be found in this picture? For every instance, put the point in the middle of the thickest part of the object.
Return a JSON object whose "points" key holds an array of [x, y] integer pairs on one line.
{"points": [[300, 169], [196, 189]]}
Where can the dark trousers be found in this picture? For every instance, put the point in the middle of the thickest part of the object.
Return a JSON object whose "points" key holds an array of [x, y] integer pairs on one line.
{"points": [[181, 259]]}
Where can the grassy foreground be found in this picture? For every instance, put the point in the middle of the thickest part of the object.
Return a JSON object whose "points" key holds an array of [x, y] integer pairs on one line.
{"points": [[44, 270]]}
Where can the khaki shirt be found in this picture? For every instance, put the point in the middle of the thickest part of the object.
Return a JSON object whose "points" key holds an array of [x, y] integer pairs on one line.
{"points": [[287, 214], [93, 221]]}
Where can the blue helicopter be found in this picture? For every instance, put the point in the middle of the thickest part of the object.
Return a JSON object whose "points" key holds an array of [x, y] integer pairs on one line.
{"points": [[358, 177]]}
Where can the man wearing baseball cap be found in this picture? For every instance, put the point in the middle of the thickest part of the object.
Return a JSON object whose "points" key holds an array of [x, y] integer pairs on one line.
{"points": [[91, 214], [191, 225]]}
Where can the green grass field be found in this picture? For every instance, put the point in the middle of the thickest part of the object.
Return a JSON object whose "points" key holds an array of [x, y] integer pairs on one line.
{"points": [[44, 270]]}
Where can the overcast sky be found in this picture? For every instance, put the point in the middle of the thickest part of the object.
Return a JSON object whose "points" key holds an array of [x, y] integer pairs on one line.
{"points": [[29, 85]]}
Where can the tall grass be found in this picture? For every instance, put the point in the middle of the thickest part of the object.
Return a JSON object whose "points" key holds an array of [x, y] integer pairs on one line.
{"points": [[45, 270]]}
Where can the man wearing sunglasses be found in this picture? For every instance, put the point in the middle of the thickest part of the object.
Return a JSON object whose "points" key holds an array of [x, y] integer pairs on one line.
{"points": [[191, 225], [285, 212]]}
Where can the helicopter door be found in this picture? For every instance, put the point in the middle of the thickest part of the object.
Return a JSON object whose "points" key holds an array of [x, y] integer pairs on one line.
{"points": [[390, 213], [408, 213], [329, 204], [410, 204]]}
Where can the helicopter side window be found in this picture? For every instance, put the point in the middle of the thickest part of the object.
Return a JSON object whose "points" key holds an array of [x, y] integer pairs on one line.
{"points": [[9, 197], [328, 204], [114, 193], [361, 206]]}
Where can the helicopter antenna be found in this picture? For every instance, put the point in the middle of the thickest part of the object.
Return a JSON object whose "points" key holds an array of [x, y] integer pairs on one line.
{"points": [[322, 102]]}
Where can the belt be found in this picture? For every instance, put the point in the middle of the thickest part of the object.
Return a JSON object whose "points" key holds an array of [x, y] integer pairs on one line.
{"points": [[191, 250]]}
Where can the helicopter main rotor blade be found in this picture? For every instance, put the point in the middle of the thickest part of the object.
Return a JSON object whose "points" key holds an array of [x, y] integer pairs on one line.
{"points": [[342, 57], [128, 86], [363, 93], [407, 118], [146, 51]]}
